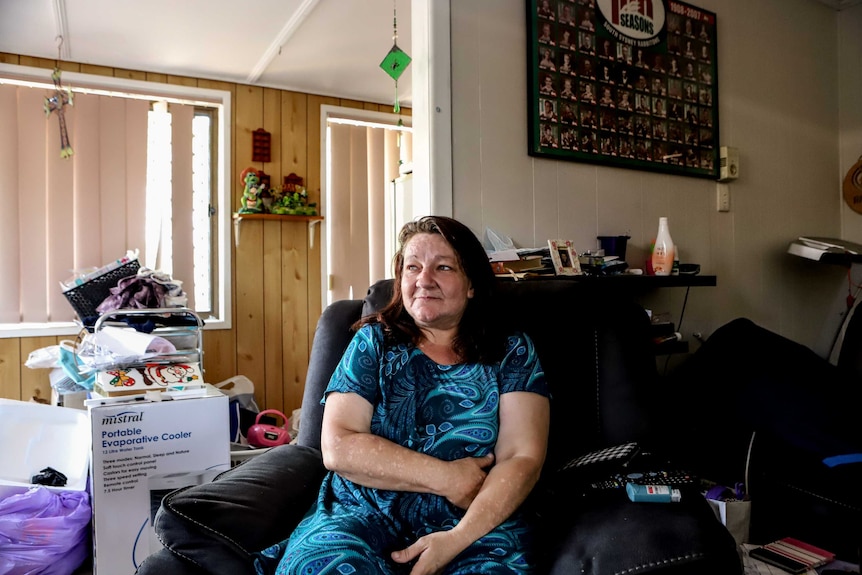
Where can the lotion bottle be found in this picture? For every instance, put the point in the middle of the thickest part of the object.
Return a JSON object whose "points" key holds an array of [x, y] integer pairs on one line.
{"points": [[662, 253]]}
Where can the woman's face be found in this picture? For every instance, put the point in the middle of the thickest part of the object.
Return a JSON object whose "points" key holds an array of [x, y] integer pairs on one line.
{"points": [[434, 287]]}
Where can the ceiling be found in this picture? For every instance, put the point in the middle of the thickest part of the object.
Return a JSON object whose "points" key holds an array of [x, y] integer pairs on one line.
{"points": [[324, 47]]}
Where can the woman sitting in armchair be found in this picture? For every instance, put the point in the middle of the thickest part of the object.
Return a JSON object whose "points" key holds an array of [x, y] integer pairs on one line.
{"points": [[434, 431]]}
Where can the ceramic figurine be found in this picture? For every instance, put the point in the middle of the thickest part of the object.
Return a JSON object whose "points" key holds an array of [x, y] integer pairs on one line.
{"points": [[252, 203]]}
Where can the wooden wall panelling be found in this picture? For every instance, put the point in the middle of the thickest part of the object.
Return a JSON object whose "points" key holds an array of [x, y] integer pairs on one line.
{"points": [[37, 62], [295, 267], [294, 135], [35, 382], [96, 70], [154, 77], [346, 103], [70, 67], [10, 368], [273, 321], [183, 81], [295, 309], [250, 342], [219, 354], [6, 58], [130, 74]]}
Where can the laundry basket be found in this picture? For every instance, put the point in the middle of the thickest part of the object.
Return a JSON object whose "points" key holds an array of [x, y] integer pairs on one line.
{"points": [[87, 296]]}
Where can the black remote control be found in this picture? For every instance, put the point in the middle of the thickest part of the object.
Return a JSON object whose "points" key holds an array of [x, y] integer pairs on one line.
{"points": [[674, 478]]}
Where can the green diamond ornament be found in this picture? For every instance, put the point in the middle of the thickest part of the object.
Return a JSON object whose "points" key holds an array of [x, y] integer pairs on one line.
{"points": [[395, 62]]}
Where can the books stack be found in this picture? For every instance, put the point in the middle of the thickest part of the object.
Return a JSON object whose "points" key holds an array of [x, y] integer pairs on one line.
{"points": [[792, 555], [521, 263]]}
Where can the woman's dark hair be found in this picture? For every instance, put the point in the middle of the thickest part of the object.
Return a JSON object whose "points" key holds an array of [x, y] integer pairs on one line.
{"points": [[479, 339]]}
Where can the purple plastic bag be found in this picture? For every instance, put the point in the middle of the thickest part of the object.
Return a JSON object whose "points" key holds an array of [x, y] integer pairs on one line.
{"points": [[44, 532]]}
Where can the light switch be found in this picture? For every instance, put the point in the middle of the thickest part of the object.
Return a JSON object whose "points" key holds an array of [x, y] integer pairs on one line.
{"points": [[722, 194]]}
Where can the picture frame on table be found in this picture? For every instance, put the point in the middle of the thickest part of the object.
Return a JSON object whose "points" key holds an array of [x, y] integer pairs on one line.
{"points": [[564, 258]]}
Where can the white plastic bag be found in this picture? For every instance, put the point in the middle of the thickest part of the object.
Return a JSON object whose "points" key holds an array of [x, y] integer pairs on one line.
{"points": [[241, 388], [498, 241], [733, 508], [44, 357], [242, 406], [115, 346]]}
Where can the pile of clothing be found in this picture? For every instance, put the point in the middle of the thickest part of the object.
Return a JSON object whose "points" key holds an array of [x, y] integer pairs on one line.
{"points": [[145, 290]]}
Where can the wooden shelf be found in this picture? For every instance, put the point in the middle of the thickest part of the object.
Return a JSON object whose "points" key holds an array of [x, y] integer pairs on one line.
{"points": [[285, 217], [311, 220], [629, 281]]}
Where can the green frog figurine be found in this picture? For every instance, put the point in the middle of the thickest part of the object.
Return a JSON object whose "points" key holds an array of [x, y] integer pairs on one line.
{"points": [[252, 203]]}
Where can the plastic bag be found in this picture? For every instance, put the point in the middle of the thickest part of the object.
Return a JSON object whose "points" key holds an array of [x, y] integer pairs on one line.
{"points": [[44, 531], [733, 508], [499, 242], [241, 388], [74, 369], [44, 357], [242, 407]]}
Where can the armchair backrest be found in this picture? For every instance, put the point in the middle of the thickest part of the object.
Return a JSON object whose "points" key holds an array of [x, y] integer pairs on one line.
{"points": [[594, 347]]}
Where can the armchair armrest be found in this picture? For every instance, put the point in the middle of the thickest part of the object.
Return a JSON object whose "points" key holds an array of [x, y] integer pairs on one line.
{"points": [[217, 526]]}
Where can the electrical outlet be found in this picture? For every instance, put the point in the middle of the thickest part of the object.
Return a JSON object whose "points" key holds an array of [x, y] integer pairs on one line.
{"points": [[722, 194]]}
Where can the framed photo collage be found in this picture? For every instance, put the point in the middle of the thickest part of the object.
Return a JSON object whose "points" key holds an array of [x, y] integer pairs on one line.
{"points": [[629, 83]]}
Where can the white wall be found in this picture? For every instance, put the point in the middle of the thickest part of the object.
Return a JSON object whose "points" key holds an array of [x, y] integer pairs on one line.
{"points": [[849, 108], [778, 74]]}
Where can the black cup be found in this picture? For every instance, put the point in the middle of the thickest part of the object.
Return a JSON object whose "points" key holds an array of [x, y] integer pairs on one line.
{"points": [[614, 245]]}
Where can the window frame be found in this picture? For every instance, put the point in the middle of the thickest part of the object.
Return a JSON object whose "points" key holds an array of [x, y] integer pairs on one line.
{"points": [[221, 101]]}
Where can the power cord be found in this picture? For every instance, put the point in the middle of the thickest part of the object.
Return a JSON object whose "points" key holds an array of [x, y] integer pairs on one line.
{"points": [[748, 462], [679, 326]]}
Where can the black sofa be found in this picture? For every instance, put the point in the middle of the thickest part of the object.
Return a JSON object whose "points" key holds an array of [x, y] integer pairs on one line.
{"points": [[596, 350], [752, 404]]}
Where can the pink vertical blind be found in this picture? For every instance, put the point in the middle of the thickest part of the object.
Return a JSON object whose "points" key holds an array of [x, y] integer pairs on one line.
{"points": [[62, 215], [181, 193], [364, 161]]}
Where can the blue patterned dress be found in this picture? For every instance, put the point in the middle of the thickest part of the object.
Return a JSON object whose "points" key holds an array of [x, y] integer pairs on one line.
{"points": [[447, 411]]}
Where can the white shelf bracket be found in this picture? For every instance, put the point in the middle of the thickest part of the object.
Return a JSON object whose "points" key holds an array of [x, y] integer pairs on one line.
{"points": [[311, 225]]}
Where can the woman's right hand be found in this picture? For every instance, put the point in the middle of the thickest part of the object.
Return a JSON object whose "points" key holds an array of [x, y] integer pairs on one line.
{"points": [[466, 479]]}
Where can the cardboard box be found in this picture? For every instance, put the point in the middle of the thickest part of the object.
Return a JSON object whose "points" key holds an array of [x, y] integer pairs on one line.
{"points": [[141, 451], [123, 381], [36, 436], [74, 400]]}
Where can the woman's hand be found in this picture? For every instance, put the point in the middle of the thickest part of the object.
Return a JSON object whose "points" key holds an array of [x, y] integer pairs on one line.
{"points": [[432, 552], [465, 478]]}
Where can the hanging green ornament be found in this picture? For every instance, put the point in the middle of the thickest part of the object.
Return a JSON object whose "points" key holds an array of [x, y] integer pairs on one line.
{"points": [[396, 61]]}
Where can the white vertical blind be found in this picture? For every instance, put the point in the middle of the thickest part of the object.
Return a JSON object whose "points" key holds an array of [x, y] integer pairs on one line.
{"points": [[10, 246], [363, 163], [182, 198], [338, 209], [65, 214]]}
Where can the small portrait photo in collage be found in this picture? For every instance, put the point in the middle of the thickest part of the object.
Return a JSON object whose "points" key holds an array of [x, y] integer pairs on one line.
{"points": [[568, 113], [641, 103]]}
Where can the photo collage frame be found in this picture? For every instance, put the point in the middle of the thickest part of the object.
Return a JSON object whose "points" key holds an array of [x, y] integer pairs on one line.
{"points": [[630, 83]]}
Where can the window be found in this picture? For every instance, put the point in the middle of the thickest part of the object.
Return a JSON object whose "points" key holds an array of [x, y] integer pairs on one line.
{"points": [[365, 152], [149, 171]]}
